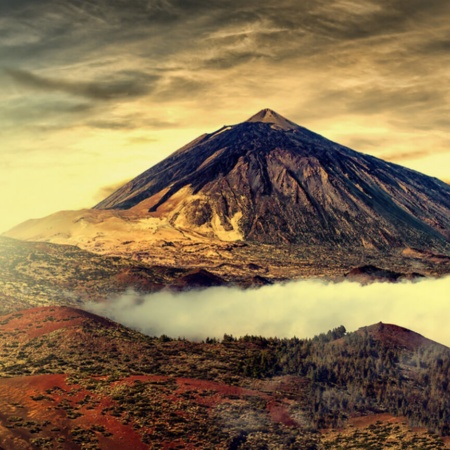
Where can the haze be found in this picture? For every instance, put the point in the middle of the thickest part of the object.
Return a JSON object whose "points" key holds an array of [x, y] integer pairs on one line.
{"points": [[300, 308], [93, 93]]}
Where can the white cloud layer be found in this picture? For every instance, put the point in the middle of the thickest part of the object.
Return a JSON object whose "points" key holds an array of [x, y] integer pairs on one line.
{"points": [[300, 308]]}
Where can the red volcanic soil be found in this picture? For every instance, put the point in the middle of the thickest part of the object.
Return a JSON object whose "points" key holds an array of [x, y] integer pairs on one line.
{"points": [[99, 406], [39, 407], [395, 336], [43, 406], [40, 321], [279, 414], [220, 393], [365, 421], [139, 278]]}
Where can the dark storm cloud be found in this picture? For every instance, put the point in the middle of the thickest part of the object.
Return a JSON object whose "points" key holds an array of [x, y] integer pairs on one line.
{"points": [[439, 46], [335, 19], [233, 58], [338, 19], [163, 30], [8, 6], [101, 90]]}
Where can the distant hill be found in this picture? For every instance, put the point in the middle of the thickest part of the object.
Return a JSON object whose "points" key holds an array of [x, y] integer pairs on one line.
{"points": [[397, 337]]}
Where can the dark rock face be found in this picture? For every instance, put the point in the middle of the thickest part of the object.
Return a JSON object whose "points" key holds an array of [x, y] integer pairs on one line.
{"points": [[370, 274], [276, 182], [197, 279]]}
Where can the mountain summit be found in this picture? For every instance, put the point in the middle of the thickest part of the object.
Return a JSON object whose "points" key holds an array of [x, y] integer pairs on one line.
{"points": [[272, 117], [271, 181]]}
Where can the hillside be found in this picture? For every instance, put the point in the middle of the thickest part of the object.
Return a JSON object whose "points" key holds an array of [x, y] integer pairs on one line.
{"points": [[70, 379]]}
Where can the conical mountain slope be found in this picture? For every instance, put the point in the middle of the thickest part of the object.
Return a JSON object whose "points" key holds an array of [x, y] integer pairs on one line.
{"points": [[269, 180]]}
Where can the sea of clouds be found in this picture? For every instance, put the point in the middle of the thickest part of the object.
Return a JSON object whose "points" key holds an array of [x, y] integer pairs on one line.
{"points": [[297, 308]]}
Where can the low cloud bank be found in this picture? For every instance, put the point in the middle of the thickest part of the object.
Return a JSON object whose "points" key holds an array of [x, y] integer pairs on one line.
{"points": [[300, 308]]}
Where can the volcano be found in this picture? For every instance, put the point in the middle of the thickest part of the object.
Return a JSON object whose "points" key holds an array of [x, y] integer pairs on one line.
{"points": [[268, 184], [272, 181]]}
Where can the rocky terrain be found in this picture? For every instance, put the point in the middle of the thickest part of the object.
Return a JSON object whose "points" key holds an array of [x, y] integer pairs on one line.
{"points": [[41, 274], [72, 380]]}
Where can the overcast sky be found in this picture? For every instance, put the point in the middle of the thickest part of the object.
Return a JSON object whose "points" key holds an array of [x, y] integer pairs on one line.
{"points": [[93, 92]]}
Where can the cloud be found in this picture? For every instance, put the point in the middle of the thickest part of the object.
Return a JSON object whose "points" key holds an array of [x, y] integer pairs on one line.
{"points": [[6, 6], [233, 58], [415, 154], [130, 123], [406, 155], [176, 88], [301, 308], [142, 140], [106, 191], [126, 86], [373, 100], [193, 36], [113, 124], [38, 114]]}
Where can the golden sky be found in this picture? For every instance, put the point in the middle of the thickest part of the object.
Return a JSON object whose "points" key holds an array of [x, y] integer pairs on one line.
{"points": [[94, 92]]}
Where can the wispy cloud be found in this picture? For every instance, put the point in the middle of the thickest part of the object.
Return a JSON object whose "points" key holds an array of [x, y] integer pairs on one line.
{"points": [[106, 191], [124, 86]]}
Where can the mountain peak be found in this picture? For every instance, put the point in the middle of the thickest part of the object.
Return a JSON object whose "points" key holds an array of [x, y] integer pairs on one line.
{"points": [[269, 116], [396, 336]]}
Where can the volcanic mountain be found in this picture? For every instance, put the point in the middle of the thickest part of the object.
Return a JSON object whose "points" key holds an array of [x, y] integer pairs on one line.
{"points": [[266, 181], [270, 180]]}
